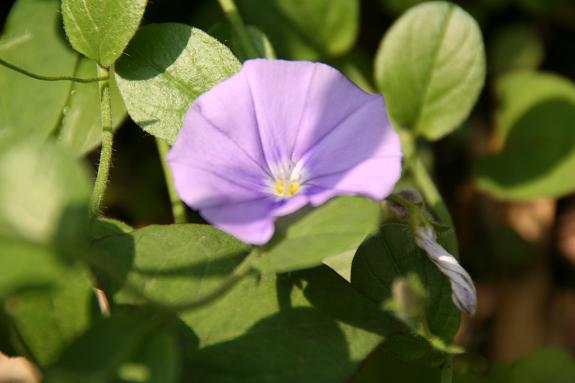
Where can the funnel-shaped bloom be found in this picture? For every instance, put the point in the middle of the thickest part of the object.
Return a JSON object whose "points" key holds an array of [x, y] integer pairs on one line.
{"points": [[279, 135]]}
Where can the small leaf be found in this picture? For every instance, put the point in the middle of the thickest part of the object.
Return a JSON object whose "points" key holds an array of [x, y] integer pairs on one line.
{"points": [[101, 29], [80, 129], [431, 67], [31, 40], [336, 227], [224, 33], [533, 162], [391, 254], [165, 68], [305, 29]]}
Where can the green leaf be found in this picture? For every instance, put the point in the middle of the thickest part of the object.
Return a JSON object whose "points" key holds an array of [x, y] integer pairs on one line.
{"points": [[431, 67], [334, 228], [267, 328], [308, 326], [47, 301], [100, 353], [44, 192], [305, 29], [224, 33], [104, 227], [390, 254], [80, 129], [516, 47], [165, 68], [533, 162], [32, 41], [101, 29], [180, 251]]}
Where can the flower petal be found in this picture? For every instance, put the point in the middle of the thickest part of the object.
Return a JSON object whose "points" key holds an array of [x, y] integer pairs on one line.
{"points": [[374, 178], [364, 134], [202, 145], [279, 92], [249, 221], [330, 99], [229, 106], [200, 188]]}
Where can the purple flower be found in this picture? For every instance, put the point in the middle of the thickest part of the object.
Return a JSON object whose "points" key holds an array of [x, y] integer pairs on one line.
{"points": [[279, 135]]}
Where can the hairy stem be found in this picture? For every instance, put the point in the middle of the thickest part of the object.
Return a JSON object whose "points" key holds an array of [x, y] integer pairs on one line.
{"points": [[51, 78], [233, 16], [178, 209], [107, 142]]}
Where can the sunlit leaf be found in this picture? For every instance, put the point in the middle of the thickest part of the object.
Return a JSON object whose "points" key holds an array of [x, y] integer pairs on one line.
{"points": [[336, 227], [431, 67], [165, 68], [101, 29]]}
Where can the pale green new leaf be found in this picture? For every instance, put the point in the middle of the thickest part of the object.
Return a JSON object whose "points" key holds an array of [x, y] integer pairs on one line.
{"points": [[165, 68], [101, 29], [431, 67]]}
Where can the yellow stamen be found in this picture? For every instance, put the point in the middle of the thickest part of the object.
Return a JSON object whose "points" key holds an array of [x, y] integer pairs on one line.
{"points": [[293, 189], [286, 189]]}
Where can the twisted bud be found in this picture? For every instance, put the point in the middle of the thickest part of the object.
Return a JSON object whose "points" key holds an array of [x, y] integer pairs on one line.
{"points": [[463, 290]]}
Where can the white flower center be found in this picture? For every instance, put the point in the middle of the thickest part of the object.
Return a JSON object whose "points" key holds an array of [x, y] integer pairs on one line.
{"points": [[287, 180]]}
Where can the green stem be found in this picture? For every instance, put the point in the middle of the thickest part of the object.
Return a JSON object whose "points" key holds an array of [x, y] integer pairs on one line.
{"points": [[107, 142], [233, 16], [447, 370], [178, 209], [433, 199], [429, 191], [50, 78]]}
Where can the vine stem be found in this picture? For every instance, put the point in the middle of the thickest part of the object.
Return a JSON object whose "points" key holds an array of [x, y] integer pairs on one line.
{"points": [[429, 190], [50, 78], [433, 199], [233, 16], [447, 370], [178, 209], [107, 141]]}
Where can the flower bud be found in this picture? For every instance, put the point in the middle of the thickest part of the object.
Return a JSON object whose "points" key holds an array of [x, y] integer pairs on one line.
{"points": [[463, 290]]}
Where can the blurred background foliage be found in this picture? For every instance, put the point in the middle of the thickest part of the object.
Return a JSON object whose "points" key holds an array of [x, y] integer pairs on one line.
{"points": [[507, 173]]}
